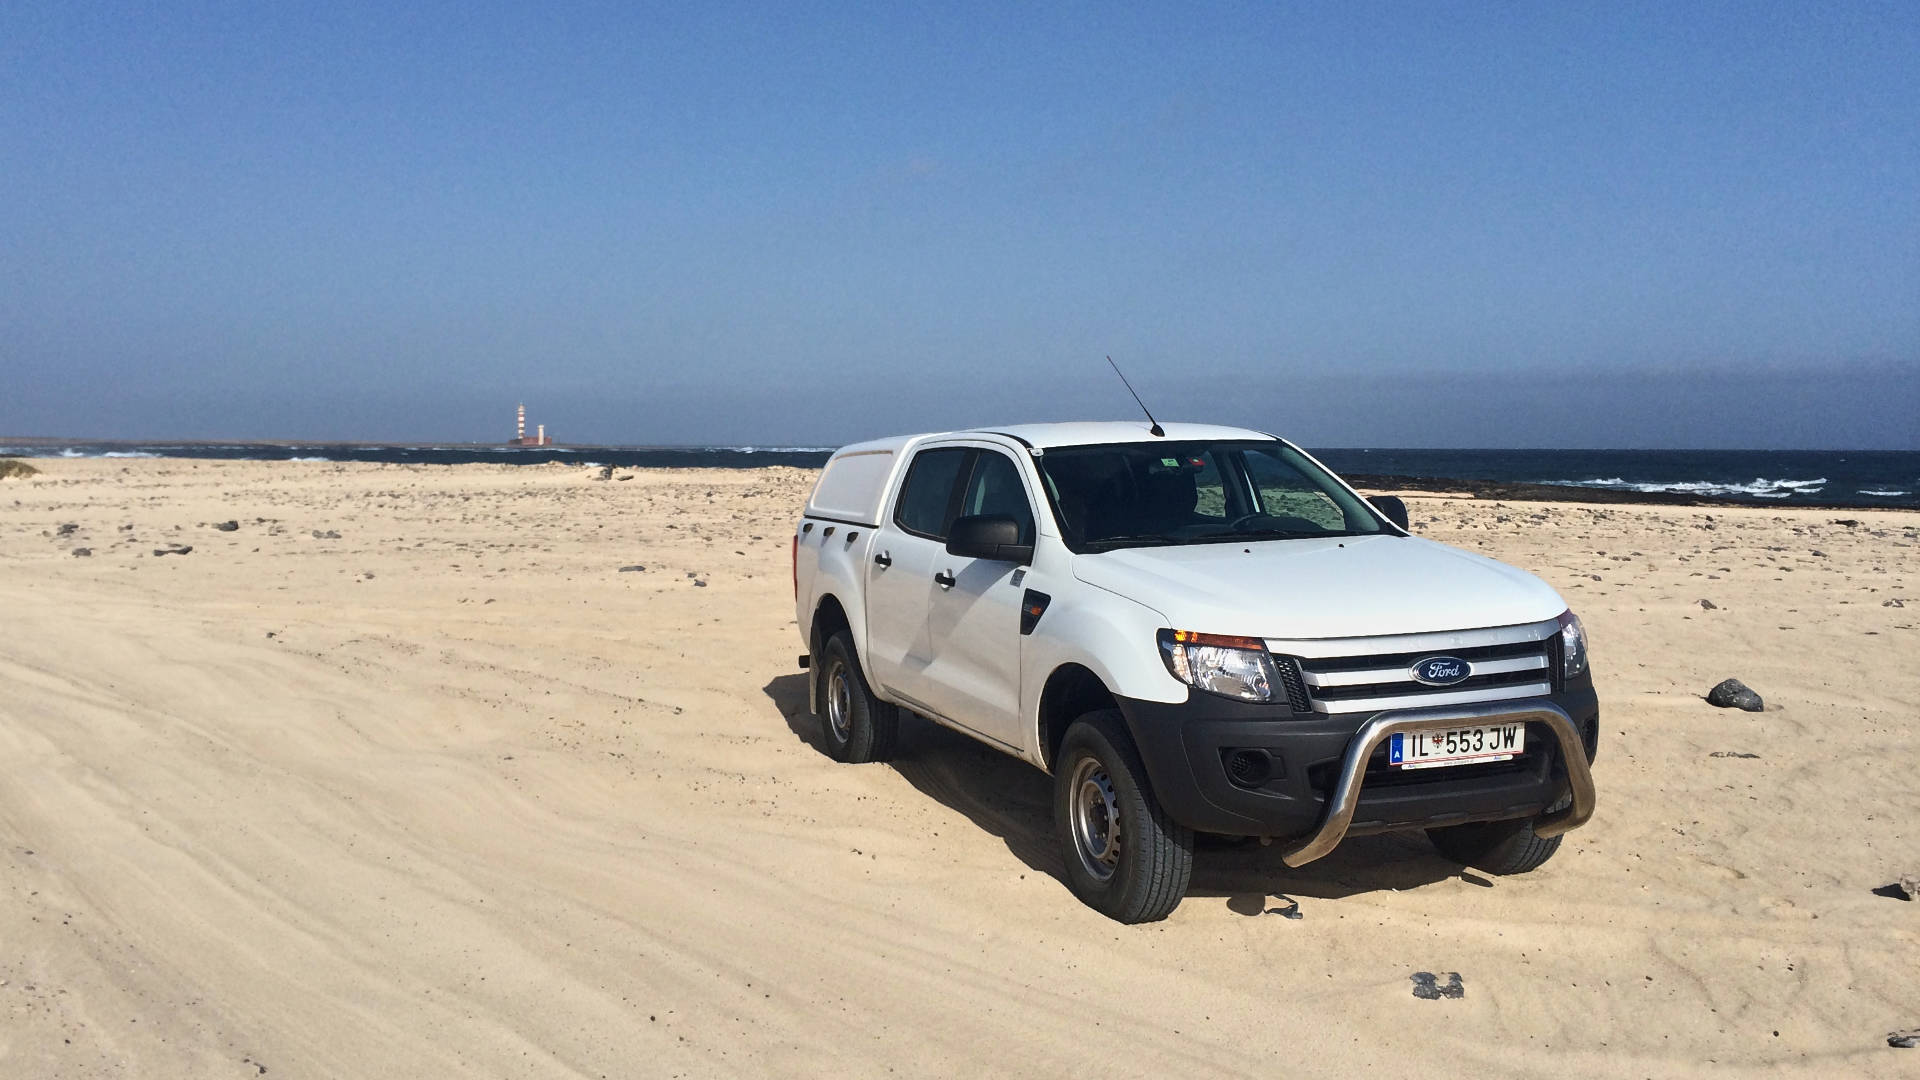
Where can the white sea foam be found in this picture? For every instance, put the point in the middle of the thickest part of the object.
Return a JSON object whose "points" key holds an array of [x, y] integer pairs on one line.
{"points": [[76, 452], [1884, 494], [1760, 488], [309, 459]]}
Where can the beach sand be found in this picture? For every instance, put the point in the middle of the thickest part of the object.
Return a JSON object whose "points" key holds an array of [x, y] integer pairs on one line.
{"points": [[442, 791]]}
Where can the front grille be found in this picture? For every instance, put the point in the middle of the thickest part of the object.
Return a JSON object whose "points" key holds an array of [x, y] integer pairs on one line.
{"points": [[1357, 675], [1289, 670]]}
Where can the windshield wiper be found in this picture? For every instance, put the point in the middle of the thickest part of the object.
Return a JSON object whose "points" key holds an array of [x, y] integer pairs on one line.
{"points": [[1278, 534], [1136, 539]]}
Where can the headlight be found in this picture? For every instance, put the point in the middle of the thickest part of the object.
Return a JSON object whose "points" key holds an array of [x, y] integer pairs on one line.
{"points": [[1234, 667], [1573, 645]]}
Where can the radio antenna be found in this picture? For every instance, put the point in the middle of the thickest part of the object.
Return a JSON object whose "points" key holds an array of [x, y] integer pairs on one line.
{"points": [[1156, 429]]}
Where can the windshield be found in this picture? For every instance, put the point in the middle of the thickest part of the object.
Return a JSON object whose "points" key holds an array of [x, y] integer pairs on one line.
{"points": [[1161, 493]]}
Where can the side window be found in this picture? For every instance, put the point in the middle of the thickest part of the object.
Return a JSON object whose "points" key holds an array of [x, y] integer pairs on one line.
{"points": [[1286, 493], [996, 489], [927, 494]]}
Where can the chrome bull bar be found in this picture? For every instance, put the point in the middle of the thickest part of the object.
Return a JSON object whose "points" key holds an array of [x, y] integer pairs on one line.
{"points": [[1346, 794]]}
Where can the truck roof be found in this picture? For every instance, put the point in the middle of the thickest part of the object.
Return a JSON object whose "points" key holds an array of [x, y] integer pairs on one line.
{"points": [[1074, 433], [854, 483], [1088, 432]]}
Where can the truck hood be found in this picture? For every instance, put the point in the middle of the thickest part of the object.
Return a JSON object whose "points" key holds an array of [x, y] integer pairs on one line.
{"points": [[1354, 586]]}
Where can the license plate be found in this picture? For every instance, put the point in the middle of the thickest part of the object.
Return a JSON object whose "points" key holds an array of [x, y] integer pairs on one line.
{"points": [[1459, 746]]}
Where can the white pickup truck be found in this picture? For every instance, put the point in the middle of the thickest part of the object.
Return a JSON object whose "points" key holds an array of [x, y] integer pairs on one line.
{"points": [[1203, 630]]}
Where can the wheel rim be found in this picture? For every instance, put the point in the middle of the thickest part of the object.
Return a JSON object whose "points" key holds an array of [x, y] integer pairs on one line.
{"points": [[839, 704], [1096, 819]]}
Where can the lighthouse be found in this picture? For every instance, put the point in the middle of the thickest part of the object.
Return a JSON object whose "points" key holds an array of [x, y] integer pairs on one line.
{"points": [[520, 431]]}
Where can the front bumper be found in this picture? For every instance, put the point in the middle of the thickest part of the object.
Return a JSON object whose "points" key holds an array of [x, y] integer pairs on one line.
{"points": [[1328, 777]]}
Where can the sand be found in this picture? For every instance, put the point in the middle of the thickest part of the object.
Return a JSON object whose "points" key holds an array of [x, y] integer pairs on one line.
{"points": [[450, 794]]}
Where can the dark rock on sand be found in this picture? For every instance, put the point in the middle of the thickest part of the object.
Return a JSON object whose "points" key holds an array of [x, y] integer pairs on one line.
{"points": [[1895, 602], [228, 526], [82, 553], [326, 535], [177, 549], [1733, 694], [1904, 1040], [1708, 605], [1426, 986], [1734, 754], [66, 530], [636, 568]]}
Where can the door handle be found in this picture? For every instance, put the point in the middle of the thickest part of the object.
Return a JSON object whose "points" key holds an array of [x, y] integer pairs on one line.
{"points": [[883, 559], [944, 579]]}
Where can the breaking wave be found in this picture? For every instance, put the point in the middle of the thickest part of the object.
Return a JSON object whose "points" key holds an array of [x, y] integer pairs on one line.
{"points": [[1760, 488]]}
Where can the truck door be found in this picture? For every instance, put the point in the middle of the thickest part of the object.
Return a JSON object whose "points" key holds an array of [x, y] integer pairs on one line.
{"points": [[901, 568], [973, 625]]}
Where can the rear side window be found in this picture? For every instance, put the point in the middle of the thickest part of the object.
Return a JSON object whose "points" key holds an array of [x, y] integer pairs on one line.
{"points": [[926, 500], [996, 489]]}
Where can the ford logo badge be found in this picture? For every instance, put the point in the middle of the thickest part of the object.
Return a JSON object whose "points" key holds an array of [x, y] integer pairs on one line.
{"points": [[1440, 670]]}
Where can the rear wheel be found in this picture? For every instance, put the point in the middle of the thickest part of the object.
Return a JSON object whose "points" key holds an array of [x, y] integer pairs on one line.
{"points": [[1124, 857], [858, 726], [1498, 847]]}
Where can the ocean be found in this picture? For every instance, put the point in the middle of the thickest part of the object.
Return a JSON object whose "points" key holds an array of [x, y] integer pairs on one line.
{"points": [[1883, 478]]}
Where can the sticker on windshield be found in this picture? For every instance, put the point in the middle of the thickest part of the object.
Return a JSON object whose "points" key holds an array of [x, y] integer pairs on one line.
{"points": [[1169, 463]]}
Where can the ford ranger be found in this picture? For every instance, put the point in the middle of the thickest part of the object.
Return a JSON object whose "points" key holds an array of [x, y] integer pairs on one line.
{"points": [[1194, 629]]}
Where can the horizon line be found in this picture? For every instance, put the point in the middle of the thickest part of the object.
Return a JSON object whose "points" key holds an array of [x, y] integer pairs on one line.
{"points": [[51, 440]]}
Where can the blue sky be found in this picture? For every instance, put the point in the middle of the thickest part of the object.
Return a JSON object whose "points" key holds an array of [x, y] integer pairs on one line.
{"points": [[1389, 225]]}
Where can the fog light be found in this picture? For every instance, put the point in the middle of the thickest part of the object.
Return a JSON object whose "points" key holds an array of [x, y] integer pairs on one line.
{"points": [[1250, 768]]}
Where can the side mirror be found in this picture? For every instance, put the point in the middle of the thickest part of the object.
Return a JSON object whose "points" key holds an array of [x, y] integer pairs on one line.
{"points": [[1393, 507], [988, 536]]}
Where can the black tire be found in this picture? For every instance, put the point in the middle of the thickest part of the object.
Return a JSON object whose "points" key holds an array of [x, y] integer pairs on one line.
{"points": [[1142, 870], [1498, 847], [858, 726]]}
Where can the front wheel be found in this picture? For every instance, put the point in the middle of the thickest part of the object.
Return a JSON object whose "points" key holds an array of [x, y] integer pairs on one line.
{"points": [[1124, 857]]}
